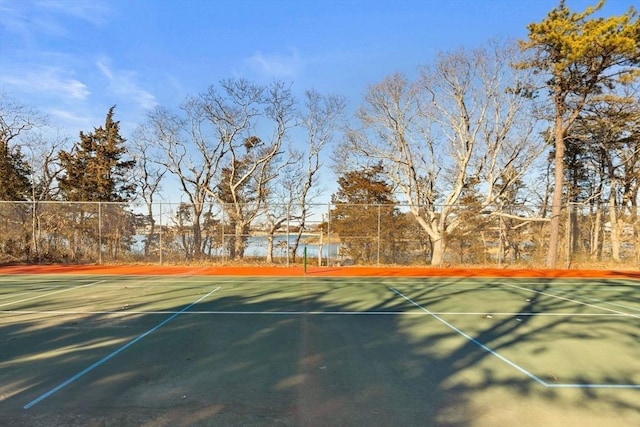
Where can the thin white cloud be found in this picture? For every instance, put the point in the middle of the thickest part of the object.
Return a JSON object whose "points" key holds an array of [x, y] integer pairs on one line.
{"points": [[95, 11], [49, 80], [13, 19], [123, 83], [105, 70], [276, 65], [32, 18], [69, 117]]}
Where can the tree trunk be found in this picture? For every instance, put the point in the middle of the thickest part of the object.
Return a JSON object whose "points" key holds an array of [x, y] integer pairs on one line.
{"points": [[436, 237], [320, 249], [614, 228], [556, 203], [197, 238], [596, 245], [437, 256], [239, 246], [152, 229], [270, 248]]}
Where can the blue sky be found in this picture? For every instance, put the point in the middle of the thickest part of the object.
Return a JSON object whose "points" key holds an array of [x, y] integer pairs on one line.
{"points": [[73, 59]]}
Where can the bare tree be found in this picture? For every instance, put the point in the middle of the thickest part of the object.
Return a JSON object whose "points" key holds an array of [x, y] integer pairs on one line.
{"points": [[26, 137], [149, 174], [16, 123], [45, 169], [187, 157], [280, 206], [45, 165], [455, 130], [321, 118], [246, 162], [214, 151], [16, 119]]}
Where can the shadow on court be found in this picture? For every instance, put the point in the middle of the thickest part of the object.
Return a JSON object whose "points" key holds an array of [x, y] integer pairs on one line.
{"points": [[317, 357]]}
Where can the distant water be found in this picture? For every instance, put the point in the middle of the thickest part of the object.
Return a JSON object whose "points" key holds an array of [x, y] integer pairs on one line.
{"points": [[257, 247]]}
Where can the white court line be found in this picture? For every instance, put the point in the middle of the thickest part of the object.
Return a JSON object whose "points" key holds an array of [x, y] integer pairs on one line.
{"points": [[28, 292], [52, 293], [315, 313], [473, 340], [114, 353], [30, 288], [596, 300], [571, 300], [509, 362]]}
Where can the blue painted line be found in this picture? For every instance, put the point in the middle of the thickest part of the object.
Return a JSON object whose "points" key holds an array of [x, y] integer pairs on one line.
{"points": [[509, 362], [114, 353]]}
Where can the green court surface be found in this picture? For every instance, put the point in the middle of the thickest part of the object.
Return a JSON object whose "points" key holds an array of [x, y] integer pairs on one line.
{"points": [[247, 351]]}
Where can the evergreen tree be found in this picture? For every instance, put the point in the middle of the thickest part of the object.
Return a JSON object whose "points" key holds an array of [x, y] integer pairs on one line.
{"points": [[366, 218], [16, 120], [94, 170], [582, 57], [14, 174]]}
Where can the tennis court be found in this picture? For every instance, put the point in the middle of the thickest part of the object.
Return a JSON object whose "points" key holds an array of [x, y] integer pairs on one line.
{"points": [[321, 349]]}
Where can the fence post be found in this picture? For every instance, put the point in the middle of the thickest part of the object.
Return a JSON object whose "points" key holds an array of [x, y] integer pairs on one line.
{"points": [[160, 235], [224, 251], [34, 240], [321, 244], [328, 233], [99, 232], [288, 224], [569, 237], [500, 239], [379, 238]]}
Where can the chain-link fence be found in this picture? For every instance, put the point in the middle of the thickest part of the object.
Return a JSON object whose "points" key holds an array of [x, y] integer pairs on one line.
{"points": [[326, 234]]}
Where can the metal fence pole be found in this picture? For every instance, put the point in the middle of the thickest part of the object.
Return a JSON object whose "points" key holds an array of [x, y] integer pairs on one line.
{"points": [[568, 237], [328, 233], [222, 230], [160, 235], [500, 239], [288, 224], [321, 246], [99, 232], [379, 237]]}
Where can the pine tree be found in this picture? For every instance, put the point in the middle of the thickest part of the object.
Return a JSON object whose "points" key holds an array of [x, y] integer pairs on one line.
{"points": [[95, 170], [16, 120], [582, 57], [365, 217], [14, 174]]}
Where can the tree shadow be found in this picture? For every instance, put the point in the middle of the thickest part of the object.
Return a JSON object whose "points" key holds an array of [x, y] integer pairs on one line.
{"points": [[316, 356]]}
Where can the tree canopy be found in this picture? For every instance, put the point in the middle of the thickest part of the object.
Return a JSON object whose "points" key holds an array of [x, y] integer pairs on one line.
{"points": [[449, 152], [583, 57], [95, 169]]}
